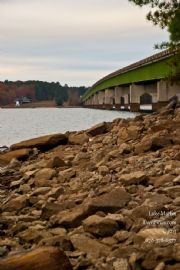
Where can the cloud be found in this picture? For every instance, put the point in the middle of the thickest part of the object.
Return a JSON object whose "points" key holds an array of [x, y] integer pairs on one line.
{"points": [[62, 37]]}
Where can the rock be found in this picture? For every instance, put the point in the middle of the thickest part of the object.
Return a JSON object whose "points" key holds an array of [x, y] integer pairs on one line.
{"points": [[133, 178], [39, 259], [177, 156], [173, 192], [143, 146], [124, 148], [42, 143], [97, 129], [81, 157], [55, 192], [20, 154], [58, 241], [100, 226], [161, 180], [109, 241], [70, 218], [58, 231], [173, 267], [158, 254], [117, 217], [89, 246], [51, 208], [78, 138], [109, 202], [67, 174], [3, 251], [152, 234], [121, 264], [173, 102], [121, 235], [103, 170], [160, 266], [16, 184], [33, 234], [3, 148], [42, 183], [24, 189], [45, 174], [40, 191], [159, 142], [154, 143], [55, 162], [15, 204], [14, 163], [176, 180], [130, 133]]}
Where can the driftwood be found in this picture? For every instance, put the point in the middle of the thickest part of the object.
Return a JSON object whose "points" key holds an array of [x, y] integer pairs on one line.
{"points": [[45, 258]]}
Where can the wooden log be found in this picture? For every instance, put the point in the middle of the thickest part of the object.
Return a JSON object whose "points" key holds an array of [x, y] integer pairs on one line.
{"points": [[44, 258]]}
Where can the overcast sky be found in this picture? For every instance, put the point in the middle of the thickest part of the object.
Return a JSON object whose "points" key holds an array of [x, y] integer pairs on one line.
{"points": [[72, 41]]}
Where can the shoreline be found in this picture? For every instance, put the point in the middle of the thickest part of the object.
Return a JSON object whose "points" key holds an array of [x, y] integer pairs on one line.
{"points": [[106, 196]]}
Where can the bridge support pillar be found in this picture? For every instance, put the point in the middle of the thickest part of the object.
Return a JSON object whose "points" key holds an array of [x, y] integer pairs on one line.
{"points": [[95, 100], [118, 95], [91, 102], [109, 98], [135, 92], [101, 99], [162, 94]]}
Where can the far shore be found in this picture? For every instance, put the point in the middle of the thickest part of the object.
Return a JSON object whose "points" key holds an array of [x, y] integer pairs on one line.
{"points": [[40, 104]]}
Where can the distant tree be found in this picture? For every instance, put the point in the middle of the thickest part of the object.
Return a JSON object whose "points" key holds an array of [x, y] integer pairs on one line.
{"points": [[59, 101]]}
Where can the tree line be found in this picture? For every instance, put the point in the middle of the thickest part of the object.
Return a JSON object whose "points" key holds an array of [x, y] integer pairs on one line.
{"points": [[44, 90]]}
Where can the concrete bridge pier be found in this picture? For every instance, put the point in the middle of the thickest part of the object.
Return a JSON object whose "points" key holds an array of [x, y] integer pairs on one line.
{"points": [[95, 101], [109, 98], [118, 95], [125, 98], [91, 102], [143, 96], [101, 99], [135, 92]]}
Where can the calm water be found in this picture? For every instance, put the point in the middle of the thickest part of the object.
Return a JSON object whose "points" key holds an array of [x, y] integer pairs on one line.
{"points": [[20, 124]]}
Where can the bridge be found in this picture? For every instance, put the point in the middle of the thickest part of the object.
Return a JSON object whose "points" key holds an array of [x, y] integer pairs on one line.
{"points": [[142, 85]]}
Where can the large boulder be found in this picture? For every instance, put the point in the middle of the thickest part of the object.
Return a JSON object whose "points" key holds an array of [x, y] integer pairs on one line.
{"points": [[100, 226], [97, 129], [45, 174], [20, 154], [109, 202], [55, 162], [15, 204], [90, 246], [78, 138], [70, 218], [130, 133], [39, 259], [42, 143], [133, 178]]}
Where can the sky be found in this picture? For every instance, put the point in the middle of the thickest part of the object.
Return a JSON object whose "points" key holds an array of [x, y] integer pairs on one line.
{"points": [[72, 41]]}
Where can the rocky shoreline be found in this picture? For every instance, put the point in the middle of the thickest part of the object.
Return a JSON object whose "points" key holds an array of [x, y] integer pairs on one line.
{"points": [[108, 197]]}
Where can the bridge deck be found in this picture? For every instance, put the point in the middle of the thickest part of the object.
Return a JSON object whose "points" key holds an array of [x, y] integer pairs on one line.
{"points": [[152, 68]]}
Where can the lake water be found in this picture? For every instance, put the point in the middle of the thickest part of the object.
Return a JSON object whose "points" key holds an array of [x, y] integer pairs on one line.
{"points": [[21, 124]]}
